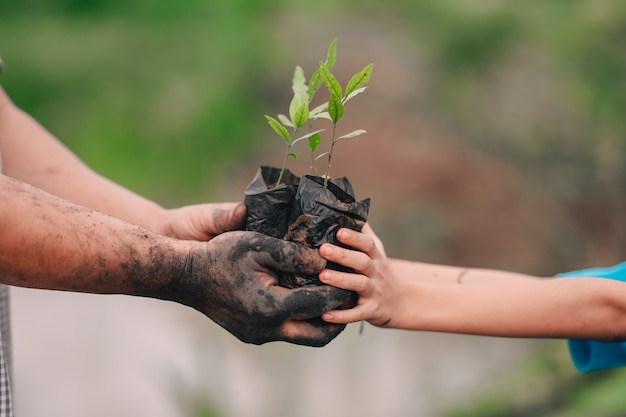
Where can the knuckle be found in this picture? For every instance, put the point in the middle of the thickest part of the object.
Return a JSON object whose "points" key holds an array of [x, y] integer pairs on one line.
{"points": [[361, 285], [266, 315], [369, 246]]}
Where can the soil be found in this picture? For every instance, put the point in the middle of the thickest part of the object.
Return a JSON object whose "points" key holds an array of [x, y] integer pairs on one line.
{"points": [[302, 210]]}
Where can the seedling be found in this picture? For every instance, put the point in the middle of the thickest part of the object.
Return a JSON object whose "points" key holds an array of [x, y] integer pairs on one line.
{"points": [[337, 100], [333, 110]]}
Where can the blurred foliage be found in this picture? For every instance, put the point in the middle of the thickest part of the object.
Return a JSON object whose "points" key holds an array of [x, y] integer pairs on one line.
{"points": [[546, 384], [156, 95], [568, 54], [164, 96], [578, 44], [540, 85]]}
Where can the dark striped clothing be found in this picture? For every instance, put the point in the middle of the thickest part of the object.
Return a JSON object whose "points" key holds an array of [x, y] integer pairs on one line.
{"points": [[6, 405]]}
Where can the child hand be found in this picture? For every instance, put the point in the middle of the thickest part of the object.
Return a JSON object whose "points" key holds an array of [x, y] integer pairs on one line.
{"points": [[373, 279]]}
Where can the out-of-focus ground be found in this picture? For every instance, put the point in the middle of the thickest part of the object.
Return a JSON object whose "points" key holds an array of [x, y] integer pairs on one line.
{"points": [[118, 356]]}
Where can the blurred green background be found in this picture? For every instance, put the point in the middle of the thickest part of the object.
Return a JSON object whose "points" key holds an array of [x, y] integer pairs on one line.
{"points": [[503, 119]]}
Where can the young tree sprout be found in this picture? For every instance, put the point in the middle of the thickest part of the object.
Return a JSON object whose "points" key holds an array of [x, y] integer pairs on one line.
{"points": [[333, 109], [337, 100]]}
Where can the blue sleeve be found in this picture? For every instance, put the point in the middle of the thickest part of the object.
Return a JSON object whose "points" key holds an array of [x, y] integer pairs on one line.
{"points": [[592, 355]]}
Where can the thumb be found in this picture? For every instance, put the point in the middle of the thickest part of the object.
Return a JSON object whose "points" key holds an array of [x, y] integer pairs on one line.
{"points": [[310, 302], [285, 256], [226, 219]]}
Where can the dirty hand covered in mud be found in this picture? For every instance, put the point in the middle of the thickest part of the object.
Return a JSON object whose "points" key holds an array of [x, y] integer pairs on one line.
{"points": [[235, 284]]}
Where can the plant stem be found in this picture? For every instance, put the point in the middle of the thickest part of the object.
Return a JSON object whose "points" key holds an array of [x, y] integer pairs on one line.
{"points": [[330, 155], [282, 169], [313, 170]]}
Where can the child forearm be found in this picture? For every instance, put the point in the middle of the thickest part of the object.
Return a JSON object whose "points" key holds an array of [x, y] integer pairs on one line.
{"points": [[556, 308], [425, 272]]}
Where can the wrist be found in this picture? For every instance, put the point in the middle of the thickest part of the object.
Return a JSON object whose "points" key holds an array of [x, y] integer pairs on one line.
{"points": [[404, 305], [158, 220], [167, 269]]}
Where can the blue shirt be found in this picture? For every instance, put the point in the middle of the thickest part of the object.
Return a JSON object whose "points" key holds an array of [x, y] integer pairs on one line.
{"points": [[592, 355]]}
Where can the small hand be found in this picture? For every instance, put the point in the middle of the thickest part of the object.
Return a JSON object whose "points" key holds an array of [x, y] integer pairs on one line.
{"points": [[201, 221], [234, 283], [372, 281]]}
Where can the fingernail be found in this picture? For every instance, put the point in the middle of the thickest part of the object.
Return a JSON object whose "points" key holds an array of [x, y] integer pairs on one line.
{"points": [[327, 316], [324, 275], [344, 233], [326, 250]]}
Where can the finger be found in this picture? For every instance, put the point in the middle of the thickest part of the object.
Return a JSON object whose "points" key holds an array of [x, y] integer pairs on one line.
{"points": [[354, 259], [225, 217], [281, 255], [356, 240], [367, 229], [344, 316], [314, 332], [348, 281], [310, 302]]}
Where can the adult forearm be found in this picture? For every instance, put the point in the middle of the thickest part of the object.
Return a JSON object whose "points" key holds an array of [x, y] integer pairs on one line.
{"points": [[558, 308], [46, 242], [33, 155]]}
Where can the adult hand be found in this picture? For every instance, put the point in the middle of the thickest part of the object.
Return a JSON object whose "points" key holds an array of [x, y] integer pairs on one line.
{"points": [[230, 279], [233, 282], [200, 221]]}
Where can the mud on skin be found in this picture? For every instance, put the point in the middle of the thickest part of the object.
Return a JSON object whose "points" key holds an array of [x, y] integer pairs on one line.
{"points": [[231, 280]]}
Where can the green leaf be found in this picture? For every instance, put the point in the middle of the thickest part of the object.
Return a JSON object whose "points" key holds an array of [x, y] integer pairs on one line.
{"points": [[308, 135], [278, 128], [301, 116], [359, 79], [322, 115], [315, 84], [285, 120], [321, 155], [329, 79], [298, 85], [294, 107], [293, 155], [354, 93], [318, 109], [352, 134], [331, 56], [316, 80], [314, 142], [335, 108]]}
